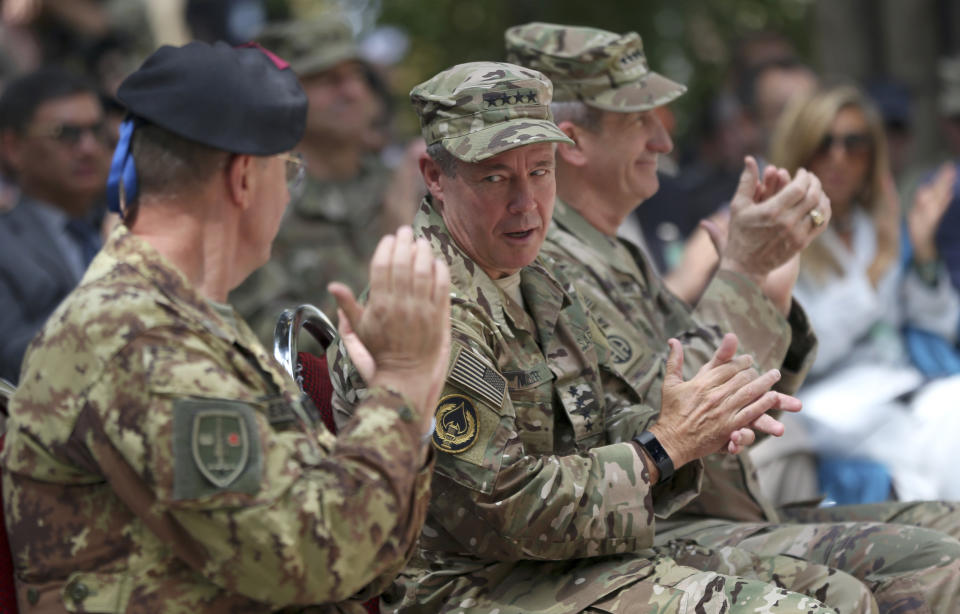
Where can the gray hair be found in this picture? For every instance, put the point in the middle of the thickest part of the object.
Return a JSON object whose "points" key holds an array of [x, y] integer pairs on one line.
{"points": [[168, 164], [443, 158], [579, 113]]}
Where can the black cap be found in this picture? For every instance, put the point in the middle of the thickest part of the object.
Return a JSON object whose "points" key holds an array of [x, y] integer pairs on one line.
{"points": [[243, 100]]}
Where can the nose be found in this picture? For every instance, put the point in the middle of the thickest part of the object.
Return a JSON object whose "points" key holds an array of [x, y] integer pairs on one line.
{"points": [[522, 197], [90, 142], [353, 86], [660, 141]]}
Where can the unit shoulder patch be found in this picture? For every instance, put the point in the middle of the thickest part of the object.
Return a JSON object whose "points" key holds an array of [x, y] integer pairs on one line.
{"points": [[220, 445], [216, 448], [457, 426]]}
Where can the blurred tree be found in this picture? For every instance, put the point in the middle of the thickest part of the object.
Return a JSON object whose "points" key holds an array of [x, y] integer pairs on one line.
{"points": [[688, 40]]}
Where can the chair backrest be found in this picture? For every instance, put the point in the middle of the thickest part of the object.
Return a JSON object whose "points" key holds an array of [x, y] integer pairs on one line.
{"points": [[8, 587], [310, 372], [314, 379]]}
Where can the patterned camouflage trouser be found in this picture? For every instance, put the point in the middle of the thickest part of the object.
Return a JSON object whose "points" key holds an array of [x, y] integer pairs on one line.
{"points": [[909, 568], [641, 583], [677, 589], [938, 515], [834, 588]]}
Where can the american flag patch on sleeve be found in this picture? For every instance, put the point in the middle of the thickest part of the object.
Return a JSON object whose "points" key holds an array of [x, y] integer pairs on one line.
{"points": [[478, 377]]}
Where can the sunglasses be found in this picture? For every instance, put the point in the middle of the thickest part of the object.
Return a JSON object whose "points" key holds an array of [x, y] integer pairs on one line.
{"points": [[71, 134], [853, 143], [296, 170]]}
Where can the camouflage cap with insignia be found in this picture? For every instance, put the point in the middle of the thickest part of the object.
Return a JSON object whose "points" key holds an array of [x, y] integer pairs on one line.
{"points": [[481, 109], [602, 69], [949, 100], [312, 45]]}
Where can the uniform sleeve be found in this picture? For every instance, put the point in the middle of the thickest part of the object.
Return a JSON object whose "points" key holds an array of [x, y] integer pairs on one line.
{"points": [[733, 303], [282, 514]]}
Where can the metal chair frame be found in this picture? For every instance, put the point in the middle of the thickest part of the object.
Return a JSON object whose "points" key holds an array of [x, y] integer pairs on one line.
{"points": [[287, 333], [6, 393]]}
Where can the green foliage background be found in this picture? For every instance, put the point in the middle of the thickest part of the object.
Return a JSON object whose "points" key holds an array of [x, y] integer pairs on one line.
{"points": [[688, 40]]}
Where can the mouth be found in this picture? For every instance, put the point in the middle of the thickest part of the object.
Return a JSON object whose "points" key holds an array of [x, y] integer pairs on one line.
{"points": [[520, 235]]}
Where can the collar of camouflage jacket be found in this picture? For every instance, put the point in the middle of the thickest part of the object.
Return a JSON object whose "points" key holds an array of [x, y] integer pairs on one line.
{"points": [[123, 248], [545, 296], [612, 249]]}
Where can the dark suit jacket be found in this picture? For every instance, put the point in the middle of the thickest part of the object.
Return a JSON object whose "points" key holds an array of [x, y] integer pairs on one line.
{"points": [[34, 278]]}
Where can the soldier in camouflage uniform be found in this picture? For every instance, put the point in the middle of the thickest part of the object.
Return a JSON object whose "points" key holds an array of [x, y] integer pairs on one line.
{"points": [[536, 506], [158, 459], [604, 96], [351, 198]]}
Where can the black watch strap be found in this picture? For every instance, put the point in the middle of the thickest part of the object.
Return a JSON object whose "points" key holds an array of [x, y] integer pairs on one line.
{"points": [[649, 442]]}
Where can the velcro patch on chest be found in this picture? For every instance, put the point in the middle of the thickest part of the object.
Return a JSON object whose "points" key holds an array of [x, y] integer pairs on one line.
{"points": [[475, 375]]}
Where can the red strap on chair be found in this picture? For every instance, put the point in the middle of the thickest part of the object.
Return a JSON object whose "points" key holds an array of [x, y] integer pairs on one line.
{"points": [[8, 589], [314, 378]]}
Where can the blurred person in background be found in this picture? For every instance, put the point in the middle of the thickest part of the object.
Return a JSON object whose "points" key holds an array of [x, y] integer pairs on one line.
{"points": [[864, 398], [351, 198], [53, 139], [892, 100], [740, 125], [948, 234]]}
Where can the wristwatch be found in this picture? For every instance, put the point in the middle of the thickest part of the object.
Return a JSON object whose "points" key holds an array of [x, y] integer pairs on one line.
{"points": [[649, 442]]}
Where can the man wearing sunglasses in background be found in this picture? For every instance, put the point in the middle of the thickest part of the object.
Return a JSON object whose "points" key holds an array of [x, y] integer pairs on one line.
{"points": [[53, 138]]}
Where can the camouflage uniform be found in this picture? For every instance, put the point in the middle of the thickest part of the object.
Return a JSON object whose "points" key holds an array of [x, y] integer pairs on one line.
{"points": [[537, 506], [158, 459], [903, 565], [535, 503]]}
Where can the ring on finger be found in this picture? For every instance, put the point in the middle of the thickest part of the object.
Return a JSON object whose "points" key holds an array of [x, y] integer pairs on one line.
{"points": [[817, 217]]}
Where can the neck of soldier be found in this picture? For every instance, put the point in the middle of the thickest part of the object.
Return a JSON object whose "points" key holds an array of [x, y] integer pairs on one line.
{"points": [[331, 161], [200, 238], [595, 204]]}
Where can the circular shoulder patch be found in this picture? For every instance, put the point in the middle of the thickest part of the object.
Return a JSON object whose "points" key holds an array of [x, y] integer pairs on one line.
{"points": [[457, 427], [619, 348]]}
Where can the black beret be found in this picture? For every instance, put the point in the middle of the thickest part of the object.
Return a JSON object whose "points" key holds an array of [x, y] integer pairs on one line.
{"points": [[243, 100]]}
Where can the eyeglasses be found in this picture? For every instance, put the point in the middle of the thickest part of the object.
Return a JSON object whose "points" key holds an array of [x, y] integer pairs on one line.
{"points": [[70, 135], [296, 170], [853, 143]]}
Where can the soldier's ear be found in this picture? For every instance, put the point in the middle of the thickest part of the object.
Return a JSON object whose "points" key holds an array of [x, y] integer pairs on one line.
{"points": [[241, 178], [431, 173], [567, 153]]}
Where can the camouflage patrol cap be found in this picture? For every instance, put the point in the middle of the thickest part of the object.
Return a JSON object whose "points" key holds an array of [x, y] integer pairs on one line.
{"points": [[949, 100], [481, 109], [312, 45], [602, 69]]}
